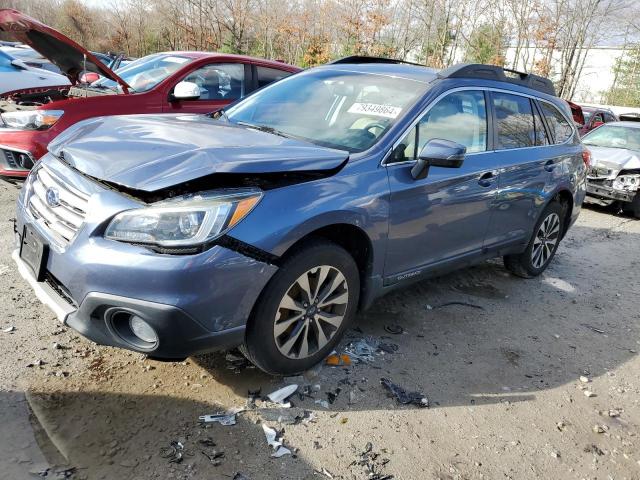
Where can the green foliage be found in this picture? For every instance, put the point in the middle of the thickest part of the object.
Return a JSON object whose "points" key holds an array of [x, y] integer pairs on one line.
{"points": [[626, 89], [487, 44]]}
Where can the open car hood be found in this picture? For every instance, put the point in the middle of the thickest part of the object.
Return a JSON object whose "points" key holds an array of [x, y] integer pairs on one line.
{"points": [[71, 58], [153, 152]]}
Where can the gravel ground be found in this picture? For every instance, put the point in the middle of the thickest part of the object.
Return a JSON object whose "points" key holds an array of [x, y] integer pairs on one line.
{"points": [[525, 379]]}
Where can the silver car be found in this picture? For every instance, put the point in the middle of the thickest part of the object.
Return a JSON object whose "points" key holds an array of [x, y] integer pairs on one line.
{"points": [[614, 176]]}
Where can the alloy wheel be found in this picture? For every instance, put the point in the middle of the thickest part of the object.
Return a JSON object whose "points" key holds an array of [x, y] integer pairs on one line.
{"points": [[311, 312], [545, 240]]}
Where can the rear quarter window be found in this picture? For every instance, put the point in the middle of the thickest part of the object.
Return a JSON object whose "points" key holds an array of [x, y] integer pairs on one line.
{"points": [[268, 75], [557, 122]]}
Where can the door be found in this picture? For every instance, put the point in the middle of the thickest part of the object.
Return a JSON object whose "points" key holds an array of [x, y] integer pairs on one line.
{"points": [[445, 215], [528, 160], [219, 84]]}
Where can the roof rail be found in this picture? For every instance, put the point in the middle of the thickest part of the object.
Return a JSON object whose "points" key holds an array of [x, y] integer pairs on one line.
{"points": [[365, 59], [493, 72]]}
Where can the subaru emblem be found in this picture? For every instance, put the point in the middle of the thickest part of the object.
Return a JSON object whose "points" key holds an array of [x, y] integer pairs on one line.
{"points": [[53, 197]]}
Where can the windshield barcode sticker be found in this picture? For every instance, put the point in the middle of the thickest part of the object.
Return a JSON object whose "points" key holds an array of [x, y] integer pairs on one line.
{"points": [[375, 109]]}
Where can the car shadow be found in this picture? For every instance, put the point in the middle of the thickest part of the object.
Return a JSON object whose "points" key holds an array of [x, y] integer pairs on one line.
{"points": [[91, 435], [480, 335]]}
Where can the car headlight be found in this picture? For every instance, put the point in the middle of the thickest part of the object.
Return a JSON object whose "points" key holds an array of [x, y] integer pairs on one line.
{"points": [[185, 221], [627, 182], [31, 119]]}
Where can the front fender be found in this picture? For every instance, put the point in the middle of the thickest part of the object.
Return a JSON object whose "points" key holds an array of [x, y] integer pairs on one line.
{"points": [[358, 195]]}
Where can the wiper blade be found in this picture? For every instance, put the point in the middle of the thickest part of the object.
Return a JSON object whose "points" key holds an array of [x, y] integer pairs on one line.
{"points": [[265, 128]]}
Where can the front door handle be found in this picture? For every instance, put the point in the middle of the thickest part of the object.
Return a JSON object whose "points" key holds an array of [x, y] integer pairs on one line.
{"points": [[487, 179], [550, 166]]}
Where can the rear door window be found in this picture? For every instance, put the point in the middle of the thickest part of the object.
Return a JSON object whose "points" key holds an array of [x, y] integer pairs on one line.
{"points": [[514, 121], [267, 75], [560, 127]]}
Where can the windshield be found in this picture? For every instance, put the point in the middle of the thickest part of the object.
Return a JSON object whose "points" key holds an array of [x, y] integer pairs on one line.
{"points": [[614, 137], [338, 109], [146, 72]]}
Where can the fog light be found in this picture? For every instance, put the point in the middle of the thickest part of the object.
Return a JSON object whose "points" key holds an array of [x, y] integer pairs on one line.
{"points": [[142, 330]]}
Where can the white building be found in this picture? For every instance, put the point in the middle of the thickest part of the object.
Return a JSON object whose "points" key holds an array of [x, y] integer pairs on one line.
{"points": [[597, 73]]}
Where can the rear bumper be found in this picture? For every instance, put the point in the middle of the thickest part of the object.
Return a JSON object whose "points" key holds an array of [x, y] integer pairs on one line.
{"points": [[609, 193]]}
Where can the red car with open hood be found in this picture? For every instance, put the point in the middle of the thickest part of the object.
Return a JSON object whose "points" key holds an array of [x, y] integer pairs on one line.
{"points": [[169, 82]]}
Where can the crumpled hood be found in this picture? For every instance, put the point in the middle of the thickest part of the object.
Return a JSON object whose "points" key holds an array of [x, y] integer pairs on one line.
{"points": [[613, 160], [152, 152], [71, 58]]}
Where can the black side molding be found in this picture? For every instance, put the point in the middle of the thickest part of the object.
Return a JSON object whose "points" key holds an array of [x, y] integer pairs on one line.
{"points": [[248, 250]]}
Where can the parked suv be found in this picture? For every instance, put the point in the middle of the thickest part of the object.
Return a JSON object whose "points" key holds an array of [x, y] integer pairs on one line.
{"points": [[196, 82], [269, 226]]}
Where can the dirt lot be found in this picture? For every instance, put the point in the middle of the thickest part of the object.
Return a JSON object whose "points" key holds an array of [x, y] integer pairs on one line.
{"points": [[501, 369]]}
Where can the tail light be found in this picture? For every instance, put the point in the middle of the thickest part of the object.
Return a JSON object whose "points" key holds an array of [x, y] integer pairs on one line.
{"points": [[586, 158]]}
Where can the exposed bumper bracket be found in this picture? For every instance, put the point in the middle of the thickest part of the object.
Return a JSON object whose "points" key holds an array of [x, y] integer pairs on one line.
{"points": [[43, 291]]}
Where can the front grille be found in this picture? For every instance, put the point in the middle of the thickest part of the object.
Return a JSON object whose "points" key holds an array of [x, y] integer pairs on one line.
{"points": [[60, 208]]}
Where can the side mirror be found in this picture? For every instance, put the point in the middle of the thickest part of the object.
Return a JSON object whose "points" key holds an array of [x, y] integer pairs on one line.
{"points": [[186, 91], [438, 153]]}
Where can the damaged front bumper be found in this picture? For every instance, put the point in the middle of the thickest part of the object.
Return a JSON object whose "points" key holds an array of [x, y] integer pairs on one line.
{"points": [[608, 191], [193, 303]]}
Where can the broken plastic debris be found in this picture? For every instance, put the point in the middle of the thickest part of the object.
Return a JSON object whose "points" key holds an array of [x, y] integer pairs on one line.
{"points": [[322, 403], [288, 416], [325, 472], [341, 360], [9, 329], [363, 349], [279, 396], [404, 397], [584, 379], [272, 439], [226, 418], [174, 452]]}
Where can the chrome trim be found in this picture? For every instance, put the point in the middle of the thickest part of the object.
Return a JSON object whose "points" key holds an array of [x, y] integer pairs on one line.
{"points": [[62, 222], [482, 89], [19, 150], [47, 295]]}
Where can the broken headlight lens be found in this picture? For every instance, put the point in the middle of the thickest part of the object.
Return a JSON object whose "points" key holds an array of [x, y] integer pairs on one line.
{"points": [[184, 221], [31, 119], [627, 182]]}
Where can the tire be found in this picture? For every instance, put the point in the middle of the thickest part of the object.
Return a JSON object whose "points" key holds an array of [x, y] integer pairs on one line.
{"points": [[281, 325], [539, 253], [634, 206]]}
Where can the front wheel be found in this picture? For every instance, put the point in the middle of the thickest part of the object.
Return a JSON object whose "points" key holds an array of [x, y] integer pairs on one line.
{"points": [[634, 206], [542, 246], [304, 309]]}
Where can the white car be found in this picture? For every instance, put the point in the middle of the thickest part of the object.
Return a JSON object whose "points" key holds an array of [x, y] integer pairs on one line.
{"points": [[16, 75]]}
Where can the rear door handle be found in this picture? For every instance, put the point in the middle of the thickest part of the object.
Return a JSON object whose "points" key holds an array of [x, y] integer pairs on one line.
{"points": [[487, 179], [550, 166]]}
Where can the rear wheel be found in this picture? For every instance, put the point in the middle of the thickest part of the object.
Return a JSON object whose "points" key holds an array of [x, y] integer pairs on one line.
{"points": [[542, 246], [304, 309]]}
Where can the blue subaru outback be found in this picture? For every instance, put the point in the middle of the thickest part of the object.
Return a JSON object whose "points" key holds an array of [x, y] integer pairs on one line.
{"points": [[270, 225]]}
